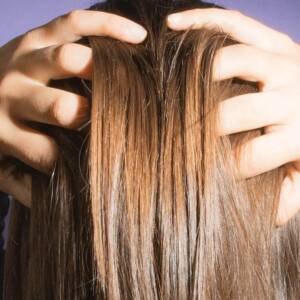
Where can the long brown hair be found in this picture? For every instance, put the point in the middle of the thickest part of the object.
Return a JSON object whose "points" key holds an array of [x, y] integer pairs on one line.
{"points": [[144, 201]]}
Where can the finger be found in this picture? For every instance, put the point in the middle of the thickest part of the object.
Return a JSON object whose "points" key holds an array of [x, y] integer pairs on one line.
{"points": [[266, 152], [240, 27], [245, 62], [57, 62], [79, 23], [29, 146], [19, 189], [34, 102], [289, 203], [251, 111]]}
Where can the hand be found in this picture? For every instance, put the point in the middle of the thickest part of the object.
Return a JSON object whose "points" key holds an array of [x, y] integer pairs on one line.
{"points": [[272, 59], [27, 65]]}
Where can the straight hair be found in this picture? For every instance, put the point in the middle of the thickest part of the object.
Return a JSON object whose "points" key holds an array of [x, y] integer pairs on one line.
{"points": [[144, 201]]}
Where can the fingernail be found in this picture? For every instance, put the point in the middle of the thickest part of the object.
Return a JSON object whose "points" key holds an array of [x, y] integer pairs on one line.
{"points": [[175, 19], [138, 33]]}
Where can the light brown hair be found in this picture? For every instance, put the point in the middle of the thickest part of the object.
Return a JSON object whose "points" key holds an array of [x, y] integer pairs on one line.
{"points": [[144, 202]]}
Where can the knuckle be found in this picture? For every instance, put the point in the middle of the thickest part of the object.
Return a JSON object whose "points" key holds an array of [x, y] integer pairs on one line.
{"points": [[73, 18], [29, 39], [32, 39]]}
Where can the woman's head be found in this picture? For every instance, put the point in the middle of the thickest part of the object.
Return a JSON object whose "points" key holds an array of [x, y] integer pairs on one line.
{"points": [[144, 202]]}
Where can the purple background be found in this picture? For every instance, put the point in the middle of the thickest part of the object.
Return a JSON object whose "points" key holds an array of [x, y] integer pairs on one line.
{"points": [[18, 16]]}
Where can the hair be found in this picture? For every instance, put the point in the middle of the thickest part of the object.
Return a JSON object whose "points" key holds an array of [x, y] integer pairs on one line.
{"points": [[144, 201]]}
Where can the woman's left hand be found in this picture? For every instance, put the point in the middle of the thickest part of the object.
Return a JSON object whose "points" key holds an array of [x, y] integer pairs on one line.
{"points": [[272, 59]]}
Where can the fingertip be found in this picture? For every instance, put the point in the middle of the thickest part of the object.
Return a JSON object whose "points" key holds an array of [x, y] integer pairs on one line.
{"points": [[135, 33], [70, 112], [175, 21]]}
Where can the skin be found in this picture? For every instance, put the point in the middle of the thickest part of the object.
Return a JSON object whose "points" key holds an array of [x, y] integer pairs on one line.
{"points": [[49, 52], [27, 65], [272, 59]]}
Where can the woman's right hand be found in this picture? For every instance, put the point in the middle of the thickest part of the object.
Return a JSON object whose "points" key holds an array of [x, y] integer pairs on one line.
{"points": [[27, 64]]}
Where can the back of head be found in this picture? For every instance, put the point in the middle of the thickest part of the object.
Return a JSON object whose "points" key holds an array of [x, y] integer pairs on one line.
{"points": [[144, 201]]}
